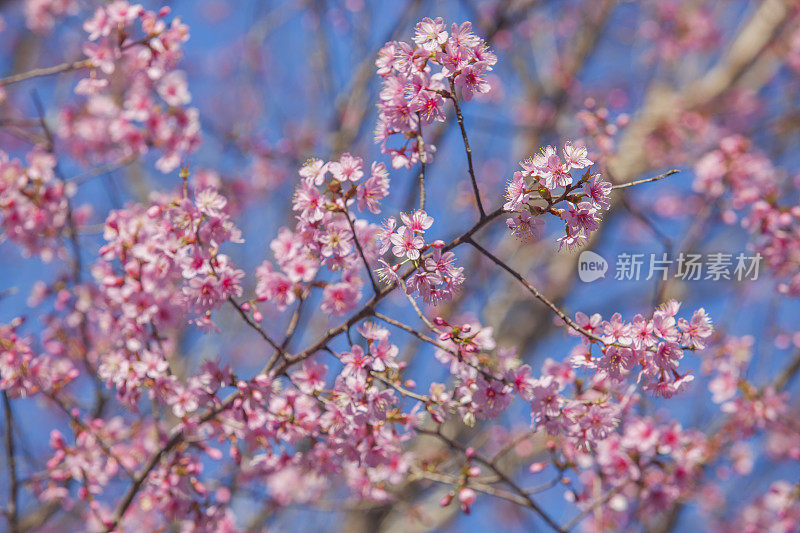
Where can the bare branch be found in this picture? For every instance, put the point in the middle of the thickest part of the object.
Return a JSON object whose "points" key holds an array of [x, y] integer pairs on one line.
{"points": [[646, 180], [46, 71], [460, 119]]}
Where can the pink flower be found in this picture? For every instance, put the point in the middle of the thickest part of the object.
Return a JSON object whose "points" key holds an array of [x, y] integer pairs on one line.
{"points": [[453, 59], [99, 25], [385, 234], [598, 191], [576, 157], [383, 354], [581, 218], [348, 168], [617, 362], [430, 34], [546, 402], [548, 167], [373, 190], [462, 36], [526, 226], [388, 273], [517, 192], [356, 362], [418, 221], [430, 107], [339, 298], [310, 203], [470, 80], [315, 171], [385, 59], [274, 286], [406, 243], [101, 55], [311, 376], [698, 330], [173, 89]]}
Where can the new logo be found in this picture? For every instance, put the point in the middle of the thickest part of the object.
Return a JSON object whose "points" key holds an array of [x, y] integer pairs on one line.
{"points": [[591, 266]]}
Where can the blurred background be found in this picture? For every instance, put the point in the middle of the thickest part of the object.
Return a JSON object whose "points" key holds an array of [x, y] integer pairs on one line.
{"points": [[648, 86]]}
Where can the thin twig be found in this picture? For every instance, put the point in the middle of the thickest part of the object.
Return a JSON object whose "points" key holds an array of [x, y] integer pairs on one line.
{"points": [[423, 158], [788, 373], [253, 324], [471, 483], [419, 312], [11, 512], [525, 498], [414, 332], [102, 169], [538, 295], [460, 119], [46, 71], [292, 327], [361, 251], [586, 512], [646, 180]]}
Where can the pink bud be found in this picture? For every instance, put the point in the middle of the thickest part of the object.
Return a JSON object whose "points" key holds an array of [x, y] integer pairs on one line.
{"points": [[466, 497], [446, 499], [438, 243], [535, 468], [257, 316], [470, 452]]}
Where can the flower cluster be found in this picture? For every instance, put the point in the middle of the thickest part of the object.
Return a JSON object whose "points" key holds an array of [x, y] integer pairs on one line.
{"points": [[135, 99], [743, 179], [776, 510], [679, 28], [417, 78], [481, 389], [655, 345], [105, 448], [161, 268], [647, 466], [23, 372], [435, 276], [326, 234], [353, 429], [147, 402], [601, 127], [41, 15], [34, 208], [531, 193]]}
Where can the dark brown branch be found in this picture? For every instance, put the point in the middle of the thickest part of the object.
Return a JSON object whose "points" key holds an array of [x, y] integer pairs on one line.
{"points": [[460, 119], [375, 287], [11, 511], [538, 295], [253, 324]]}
